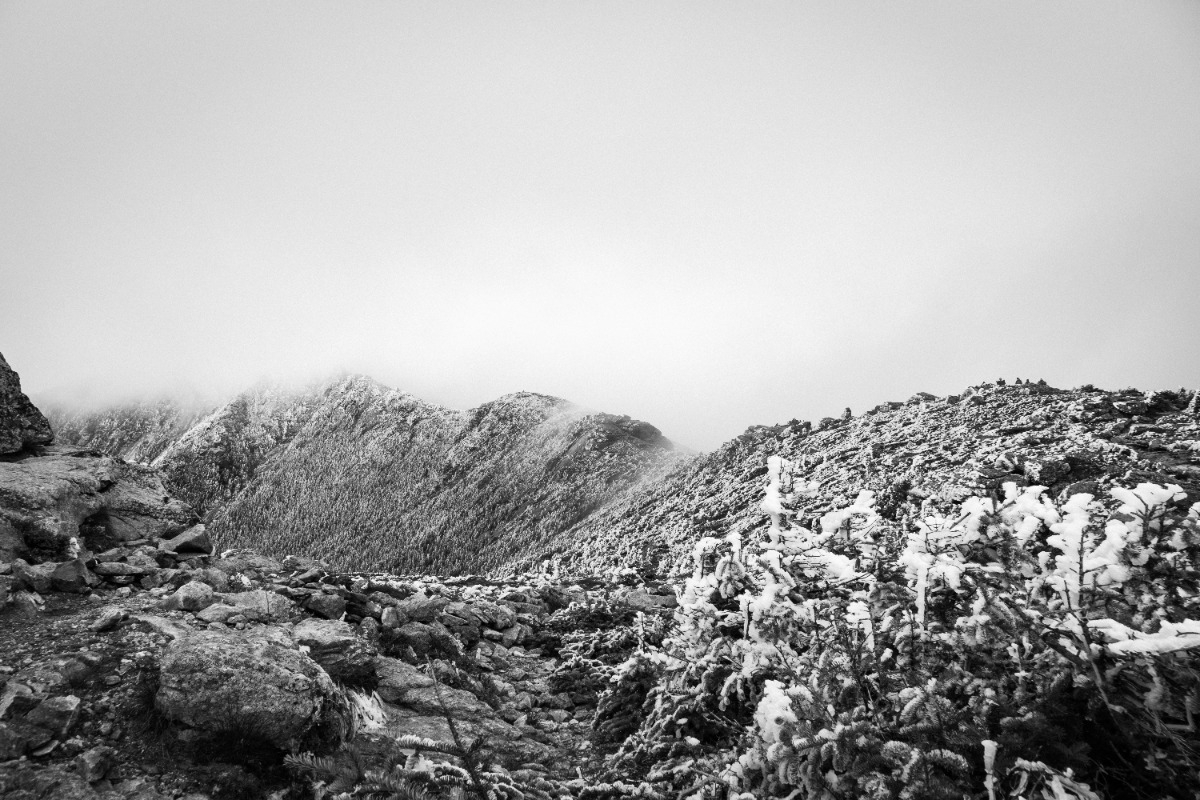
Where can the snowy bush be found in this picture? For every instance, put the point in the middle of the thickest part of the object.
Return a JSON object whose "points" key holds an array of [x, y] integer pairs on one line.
{"points": [[1015, 648]]}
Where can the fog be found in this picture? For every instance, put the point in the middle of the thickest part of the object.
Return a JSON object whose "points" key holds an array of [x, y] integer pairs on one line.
{"points": [[704, 215]]}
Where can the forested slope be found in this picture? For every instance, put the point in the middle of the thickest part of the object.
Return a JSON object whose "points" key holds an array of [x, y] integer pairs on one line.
{"points": [[360, 474]]}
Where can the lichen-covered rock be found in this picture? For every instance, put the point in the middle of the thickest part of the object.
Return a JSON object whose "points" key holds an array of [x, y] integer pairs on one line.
{"points": [[250, 683], [335, 646], [21, 423]]}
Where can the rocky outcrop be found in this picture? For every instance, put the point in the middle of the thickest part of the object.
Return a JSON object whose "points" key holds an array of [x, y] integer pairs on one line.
{"points": [[21, 424], [64, 493]]}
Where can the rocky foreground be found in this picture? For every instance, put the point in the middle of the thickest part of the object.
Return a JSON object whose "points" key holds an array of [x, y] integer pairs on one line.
{"points": [[160, 670]]}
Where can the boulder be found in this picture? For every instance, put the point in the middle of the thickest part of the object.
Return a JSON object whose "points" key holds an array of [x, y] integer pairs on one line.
{"points": [[17, 737], [250, 683], [416, 635], [329, 606], [35, 578], [422, 608], [463, 622], [218, 612], [261, 606], [109, 618], [193, 540], [93, 765], [642, 600], [395, 678], [73, 576], [337, 648], [56, 714], [119, 569], [21, 424], [192, 596]]}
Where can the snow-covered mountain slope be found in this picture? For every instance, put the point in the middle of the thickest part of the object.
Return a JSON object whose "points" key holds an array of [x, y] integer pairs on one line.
{"points": [[357, 473], [927, 450], [138, 432]]}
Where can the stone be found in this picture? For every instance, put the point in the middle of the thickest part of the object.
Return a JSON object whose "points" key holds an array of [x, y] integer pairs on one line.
{"points": [[390, 618], [261, 606], [215, 578], [396, 677], [645, 601], [163, 626], [35, 578], [1047, 471], [56, 714], [18, 737], [337, 648], [107, 569], [94, 764], [218, 612], [422, 608], [192, 596], [458, 703], [461, 620], [73, 576], [329, 606], [109, 618], [248, 562], [193, 540], [21, 424], [251, 683], [416, 635]]}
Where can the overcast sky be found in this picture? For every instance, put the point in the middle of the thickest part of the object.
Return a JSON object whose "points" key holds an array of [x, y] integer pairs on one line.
{"points": [[705, 215]]}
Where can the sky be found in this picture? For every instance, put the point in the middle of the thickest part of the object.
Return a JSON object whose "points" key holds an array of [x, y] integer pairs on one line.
{"points": [[707, 215]]}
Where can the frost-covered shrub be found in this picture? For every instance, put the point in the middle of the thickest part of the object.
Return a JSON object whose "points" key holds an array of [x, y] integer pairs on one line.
{"points": [[1014, 648]]}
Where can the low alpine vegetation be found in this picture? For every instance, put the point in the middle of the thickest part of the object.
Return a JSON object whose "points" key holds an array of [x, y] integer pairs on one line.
{"points": [[1004, 647]]}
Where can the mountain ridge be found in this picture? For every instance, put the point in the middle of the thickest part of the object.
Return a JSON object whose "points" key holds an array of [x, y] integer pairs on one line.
{"points": [[530, 476]]}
